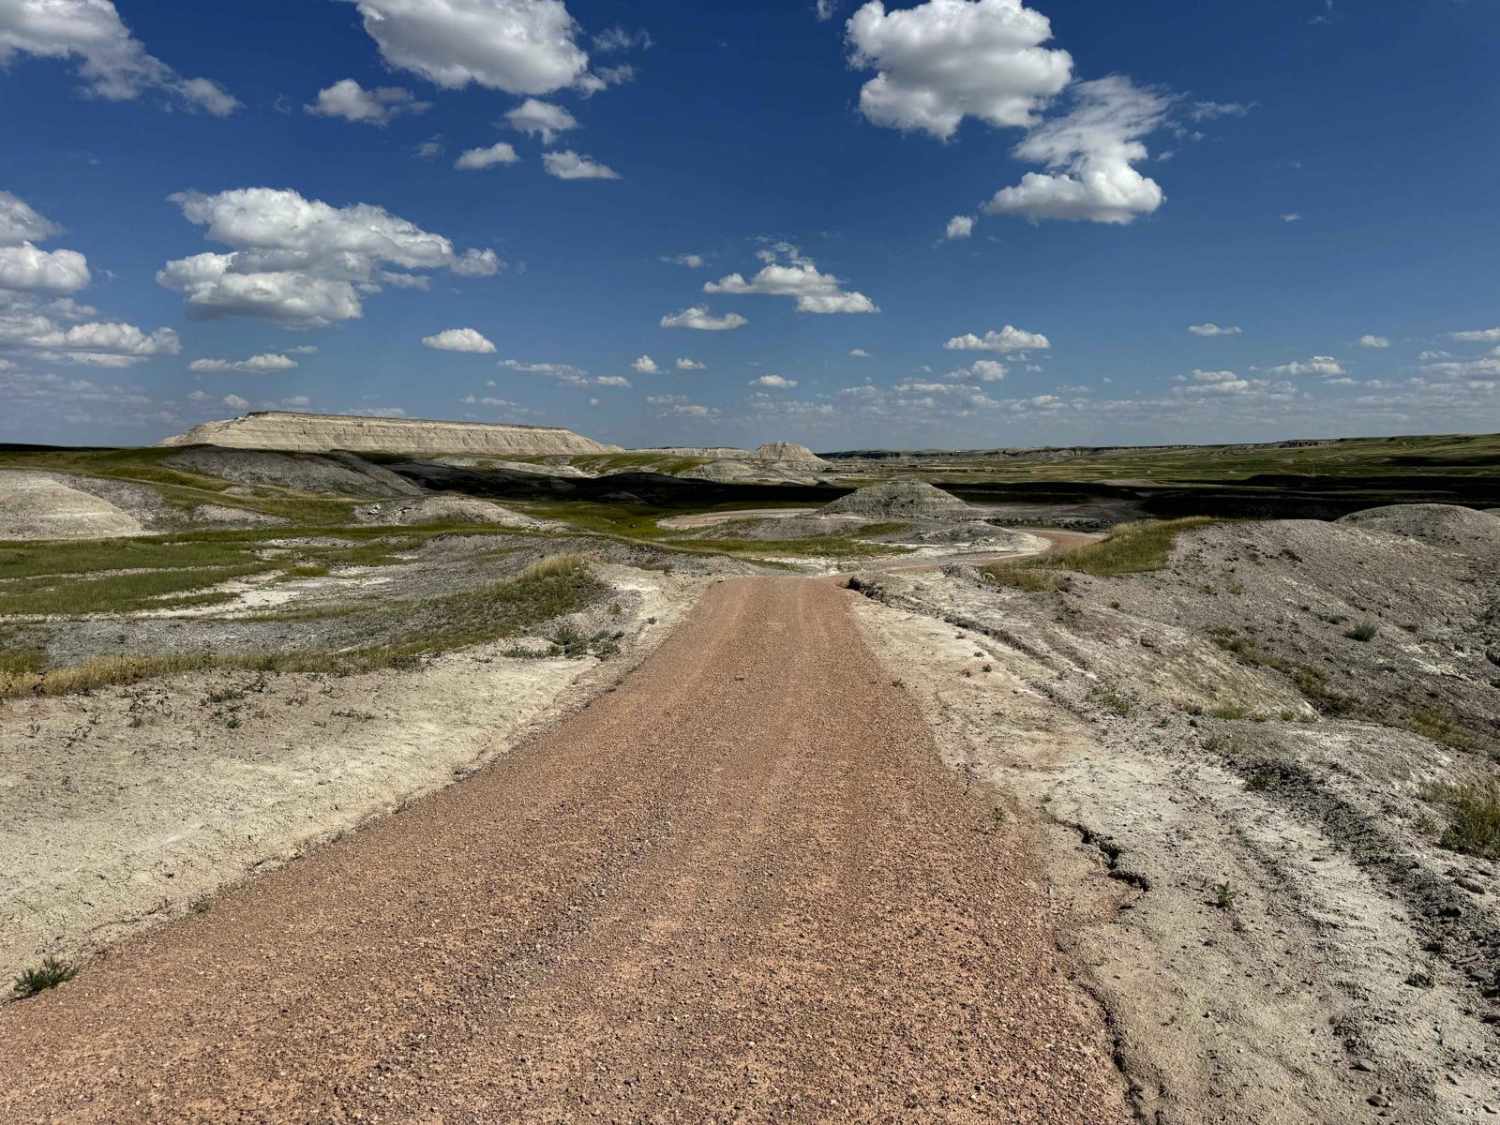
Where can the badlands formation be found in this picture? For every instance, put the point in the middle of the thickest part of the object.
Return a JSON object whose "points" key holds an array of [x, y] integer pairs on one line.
{"points": [[323, 433]]}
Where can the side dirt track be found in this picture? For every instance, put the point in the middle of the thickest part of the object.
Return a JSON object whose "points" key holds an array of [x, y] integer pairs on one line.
{"points": [[742, 886]]}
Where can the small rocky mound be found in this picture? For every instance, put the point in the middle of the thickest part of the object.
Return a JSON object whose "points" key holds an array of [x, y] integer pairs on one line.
{"points": [[237, 517], [341, 474], [39, 506], [970, 533], [788, 451], [900, 500], [443, 509], [1438, 525]]}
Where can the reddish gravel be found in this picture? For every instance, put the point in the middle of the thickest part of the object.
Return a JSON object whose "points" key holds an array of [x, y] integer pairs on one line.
{"points": [[741, 887]]}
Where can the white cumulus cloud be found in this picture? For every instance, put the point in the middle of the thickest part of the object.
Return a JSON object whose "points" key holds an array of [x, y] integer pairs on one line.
{"points": [[960, 226], [24, 267], [699, 317], [459, 340], [519, 46], [778, 381], [266, 364], [541, 119], [235, 402], [352, 102], [1008, 339], [476, 159], [945, 60], [644, 365], [985, 370], [691, 261], [1212, 329], [97, 343], [1090, 155], [1318, 365], [685, 364], [1378, 342], [302, 261], [27, 268], [1476, 336], [787, 273], [20, 223], [113, 64], [569, 165]]}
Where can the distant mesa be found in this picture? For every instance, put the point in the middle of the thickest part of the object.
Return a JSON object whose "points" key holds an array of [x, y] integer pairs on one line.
{"points": [[902, 500], [324, 433]]}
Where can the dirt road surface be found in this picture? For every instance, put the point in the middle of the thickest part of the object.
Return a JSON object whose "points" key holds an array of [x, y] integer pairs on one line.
{"points": [[740, 887]]}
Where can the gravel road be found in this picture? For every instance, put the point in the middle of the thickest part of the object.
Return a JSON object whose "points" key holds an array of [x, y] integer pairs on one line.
{"points": [[739, 887]]}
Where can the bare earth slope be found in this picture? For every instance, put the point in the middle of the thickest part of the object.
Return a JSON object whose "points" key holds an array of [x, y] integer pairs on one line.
{"points": [[741, 887], [321, 433], [42, 506]]}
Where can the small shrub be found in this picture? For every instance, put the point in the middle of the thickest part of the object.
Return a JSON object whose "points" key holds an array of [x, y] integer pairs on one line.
{"points": [[1364, 631], [1113, 701], [1224, 896], [49, 974], [568, 640]]}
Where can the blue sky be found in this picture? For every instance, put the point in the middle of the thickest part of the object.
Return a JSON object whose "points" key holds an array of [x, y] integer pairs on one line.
{"points": [[956, 223]]}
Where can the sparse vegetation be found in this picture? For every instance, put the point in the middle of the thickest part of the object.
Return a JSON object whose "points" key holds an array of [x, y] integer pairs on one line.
{"points": [[1230, 711], [553, 588], [1441, 729], [1474, 808], [1364, 631], [49, 974], [1133, 548], [1224, 896], [1113, 701]]}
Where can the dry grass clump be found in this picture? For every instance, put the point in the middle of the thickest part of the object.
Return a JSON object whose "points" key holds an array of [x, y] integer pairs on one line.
{"points": [[103, 671], [1475, 809], [555, 566], [1133, 548]]}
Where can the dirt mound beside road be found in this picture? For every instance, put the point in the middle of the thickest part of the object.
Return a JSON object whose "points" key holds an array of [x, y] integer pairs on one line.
{"points": [[1440, 525], [43, 506], [1240, 751], [900, 500], [342, 474]]}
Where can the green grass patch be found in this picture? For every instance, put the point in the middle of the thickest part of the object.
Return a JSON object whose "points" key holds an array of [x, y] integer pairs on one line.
{"points": [[1133, 548], [307, 570], [119, 593]]}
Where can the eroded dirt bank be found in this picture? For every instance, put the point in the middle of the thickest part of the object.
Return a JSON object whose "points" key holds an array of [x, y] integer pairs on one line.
{"points": [[1255, 882], [125, 807], [742, 886]]}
